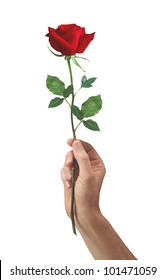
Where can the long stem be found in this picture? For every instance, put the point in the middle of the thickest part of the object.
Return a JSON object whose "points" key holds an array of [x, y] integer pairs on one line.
{"points": [[74, 137]]}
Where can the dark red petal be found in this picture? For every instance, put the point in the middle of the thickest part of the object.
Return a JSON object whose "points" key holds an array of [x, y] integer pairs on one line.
{"points": [[84, 42], [65, 27], [73, 37], [59, 44]]}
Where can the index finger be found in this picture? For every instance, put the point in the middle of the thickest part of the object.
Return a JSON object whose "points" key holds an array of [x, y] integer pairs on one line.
{"points": [[88, 148]]}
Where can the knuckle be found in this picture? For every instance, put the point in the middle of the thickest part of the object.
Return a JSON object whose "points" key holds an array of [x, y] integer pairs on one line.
{"points": [[62, 175]]}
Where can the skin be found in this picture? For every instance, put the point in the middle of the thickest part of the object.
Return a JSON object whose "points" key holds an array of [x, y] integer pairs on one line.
{"points": [[101, 239]]}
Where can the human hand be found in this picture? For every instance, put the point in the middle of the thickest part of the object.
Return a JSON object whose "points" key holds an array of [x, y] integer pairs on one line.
{"points": [[101, 239], [90, 171]]}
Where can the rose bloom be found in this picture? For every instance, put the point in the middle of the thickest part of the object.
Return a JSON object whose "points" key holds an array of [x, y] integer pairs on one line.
{"points": [[69, 39]]}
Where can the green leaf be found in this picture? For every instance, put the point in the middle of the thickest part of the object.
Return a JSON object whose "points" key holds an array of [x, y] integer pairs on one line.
{"points": [[81, 57], [91, 125], [55, 102], [77, 112], [88, 83], [75, 62], [55, 85], [83, 79], [68, 91], [91, 106]]}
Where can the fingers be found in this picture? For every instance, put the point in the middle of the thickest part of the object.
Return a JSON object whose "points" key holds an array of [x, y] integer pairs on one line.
{"points": [[92, 154], [82, 158], [86, 145], [85, 156], [66, 171]]}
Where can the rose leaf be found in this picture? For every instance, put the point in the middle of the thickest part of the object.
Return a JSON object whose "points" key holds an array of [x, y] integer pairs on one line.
{"points": [[55, 102], [55, 85], [91, 106], [90, 124], [77, 112], [88, 83], [68, 91]]}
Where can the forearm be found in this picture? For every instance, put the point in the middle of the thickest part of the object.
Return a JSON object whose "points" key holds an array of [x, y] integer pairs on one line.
{"points": [[102, 240]]}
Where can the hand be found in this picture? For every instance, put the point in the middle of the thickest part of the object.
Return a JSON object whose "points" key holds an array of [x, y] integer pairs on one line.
{"points": [[101, 239], [90, 171]]}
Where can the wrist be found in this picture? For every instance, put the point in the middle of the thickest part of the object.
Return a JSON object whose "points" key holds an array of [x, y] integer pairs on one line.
{"points": [[86, 220], [101, 239]]}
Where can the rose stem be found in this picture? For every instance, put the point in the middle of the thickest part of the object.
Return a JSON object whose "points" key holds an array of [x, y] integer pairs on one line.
{"points": [[74, 137]]}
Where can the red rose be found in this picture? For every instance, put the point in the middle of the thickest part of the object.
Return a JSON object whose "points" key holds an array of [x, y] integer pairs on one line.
{"points": [[69, 39]]}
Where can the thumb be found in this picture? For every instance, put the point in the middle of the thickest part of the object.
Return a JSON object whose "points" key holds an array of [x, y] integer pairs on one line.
{"points": [[82, 158]]}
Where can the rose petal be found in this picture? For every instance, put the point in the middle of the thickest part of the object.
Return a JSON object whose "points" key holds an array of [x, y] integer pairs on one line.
{"points": [[84, 42], [58, 43], [69, 39], [71, 33]]}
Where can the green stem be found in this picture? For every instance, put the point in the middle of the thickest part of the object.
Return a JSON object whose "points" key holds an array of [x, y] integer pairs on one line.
{"points": [[67, 102], [77, 91], [72, 102], [73, 199], [74, 137], [78, 125]]}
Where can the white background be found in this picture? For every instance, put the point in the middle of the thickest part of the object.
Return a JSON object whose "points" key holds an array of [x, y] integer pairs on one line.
{"points": [[128, 58]]}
